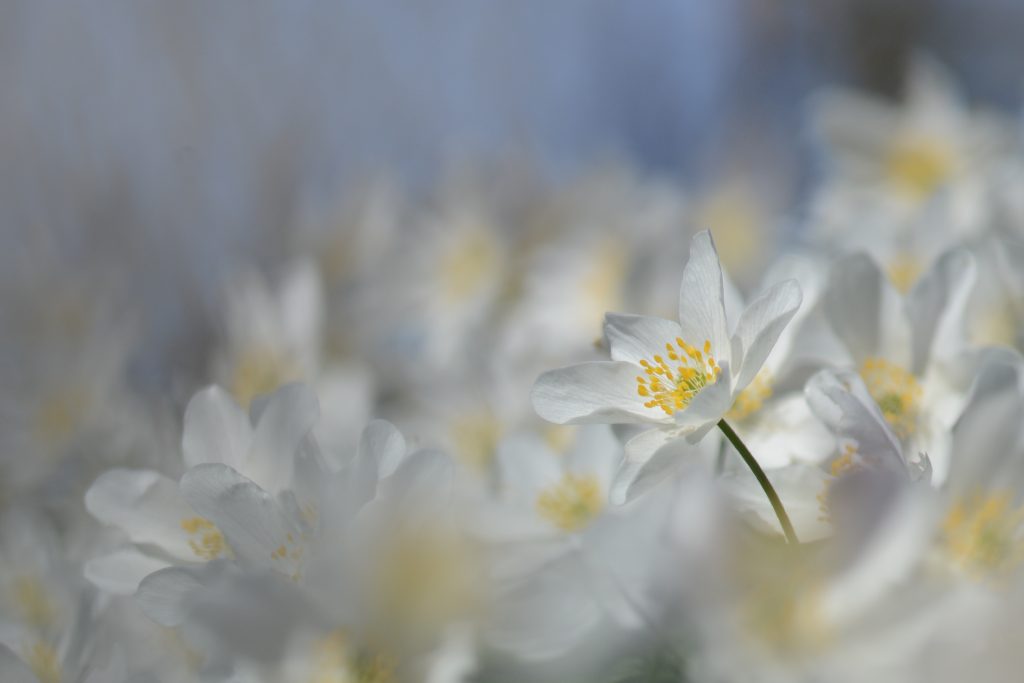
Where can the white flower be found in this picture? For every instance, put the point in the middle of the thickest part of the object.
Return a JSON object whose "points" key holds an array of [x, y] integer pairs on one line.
{"points": [[240, 495], [680, 377], [910, 351]]}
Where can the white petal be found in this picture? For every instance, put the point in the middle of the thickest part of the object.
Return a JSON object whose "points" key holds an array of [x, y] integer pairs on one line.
{"points": [[424, 478], [288, 418], [707, 407], [216, 429], [702, 298], [12, 669], [842, 402], [760, 326], [382, 445], [252, 521], [144, 504], [526, 466], [936, 307], [634, 338], [120, 572], [164, 595], [602, 392], [865, 311], [650, 457]]}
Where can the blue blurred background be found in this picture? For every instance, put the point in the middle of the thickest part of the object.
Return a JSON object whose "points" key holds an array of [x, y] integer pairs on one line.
{"points": [[185, 135]]}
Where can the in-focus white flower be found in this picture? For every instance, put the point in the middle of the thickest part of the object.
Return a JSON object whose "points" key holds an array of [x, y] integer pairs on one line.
{"points": [[681, 378]]}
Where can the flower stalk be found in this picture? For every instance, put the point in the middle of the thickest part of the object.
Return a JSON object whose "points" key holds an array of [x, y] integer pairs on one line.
{"points": [[762, 479]]}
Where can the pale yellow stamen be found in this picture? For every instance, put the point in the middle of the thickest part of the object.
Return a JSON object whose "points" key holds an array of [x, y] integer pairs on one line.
{"points": [[752, 398], [260, 371], [60, 414], [844, 463], [903, 271], [918, 166], [467, 264], [896, 391], [671, 384], [475, 438], [559, 437], [982, 534], [43, 661], [335, 662], [32, 602], [209, 543], [571, 503]]}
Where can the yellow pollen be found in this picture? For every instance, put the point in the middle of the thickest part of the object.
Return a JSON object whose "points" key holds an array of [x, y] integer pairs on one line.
{"points": [[896, 391], [671, 386], [903, 271], [209, 543], [752, 398], [475, 438], [918, 166], [32, 602], [260, 371], [842, 464], [43, 661], [466, 266], [60, 414], [982, 534], [334, 661], [572, 502]]}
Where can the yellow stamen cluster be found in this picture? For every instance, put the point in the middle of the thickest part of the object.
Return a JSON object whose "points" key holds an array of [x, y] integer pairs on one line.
{"points": [[752, 398], [982, 534], [209, 543], [671, 384], [335, 662], [903, 271], [896, 391], [32, 602], [476, 438], [843, 464], [43, 661], [260, 371], [572, 502], [919, 166], [467, 264]]}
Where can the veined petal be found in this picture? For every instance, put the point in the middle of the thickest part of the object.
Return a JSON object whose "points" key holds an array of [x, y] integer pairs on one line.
{"points": [[120, 572], [707, 407], [936, 307], [842, 402], [253, 523], [634, 338], [865, 311], [145, 505], [216, 429], [702, 298], [601, 392], [13, 670], [760, 326], [288, 417], [650, 457]]}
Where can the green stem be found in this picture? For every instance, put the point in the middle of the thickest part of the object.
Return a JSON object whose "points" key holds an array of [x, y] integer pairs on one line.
{"points": [[762, 479]]}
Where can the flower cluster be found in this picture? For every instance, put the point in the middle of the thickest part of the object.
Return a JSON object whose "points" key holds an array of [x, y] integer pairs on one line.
{"points": [[426, 447]]}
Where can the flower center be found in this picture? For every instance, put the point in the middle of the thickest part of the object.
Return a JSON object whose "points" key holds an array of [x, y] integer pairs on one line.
{"points": [[752, 397], [903, 271], [671, 384], [467, 264], [572, 502], [896, 391], [982, 533], [476, 438], [919, 165], [60, 415], [42, 659], [207, 541], [260, 371], [334, 661], [32, 602]]}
